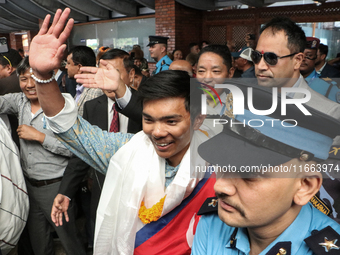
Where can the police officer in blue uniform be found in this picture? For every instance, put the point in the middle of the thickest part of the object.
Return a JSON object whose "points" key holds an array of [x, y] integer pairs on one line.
{"points": [[325, 87], [158, 51], [258, 211]]}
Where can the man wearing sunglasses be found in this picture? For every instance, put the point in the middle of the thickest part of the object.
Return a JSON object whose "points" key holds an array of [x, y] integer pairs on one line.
{"points": [[307, 69], [278, 57]]}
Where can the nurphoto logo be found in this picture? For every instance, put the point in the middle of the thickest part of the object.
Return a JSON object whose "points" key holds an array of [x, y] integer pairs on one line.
{"points": [[238, 100]]}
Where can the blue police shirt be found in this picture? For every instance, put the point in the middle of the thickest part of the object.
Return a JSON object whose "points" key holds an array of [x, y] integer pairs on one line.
{"points": [[163, 64], [321, 86], [213, 236]]}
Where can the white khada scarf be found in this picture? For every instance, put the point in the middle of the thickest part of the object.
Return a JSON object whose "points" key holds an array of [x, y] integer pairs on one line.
{"points": [[14, 205], [135, 174]]}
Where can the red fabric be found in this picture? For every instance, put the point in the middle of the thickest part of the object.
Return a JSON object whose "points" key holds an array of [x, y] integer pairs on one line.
{"points": [[172, 239]]}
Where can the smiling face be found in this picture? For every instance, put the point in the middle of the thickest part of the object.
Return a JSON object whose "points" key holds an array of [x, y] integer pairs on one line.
{"points": [[273, 76], [167, 123], [27, 86], [157, 51], [211, 70], [178, 55]]}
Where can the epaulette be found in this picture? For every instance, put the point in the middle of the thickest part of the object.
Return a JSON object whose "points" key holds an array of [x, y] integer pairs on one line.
{"points": [[209, 206], [164, 63], [331, 81], [331, 84], [324, 241], [334, 152], [319, 204]]}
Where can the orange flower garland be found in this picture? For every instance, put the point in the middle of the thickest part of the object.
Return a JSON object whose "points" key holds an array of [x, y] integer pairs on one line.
{"points": [[148, 215]]}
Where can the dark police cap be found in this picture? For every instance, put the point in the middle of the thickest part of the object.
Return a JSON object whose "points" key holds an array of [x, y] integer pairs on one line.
{"points": [[247, 143], [312, 43], [153, 39]]}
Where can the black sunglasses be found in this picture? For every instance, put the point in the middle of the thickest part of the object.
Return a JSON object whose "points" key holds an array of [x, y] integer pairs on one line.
{"points": [[269, 57]]}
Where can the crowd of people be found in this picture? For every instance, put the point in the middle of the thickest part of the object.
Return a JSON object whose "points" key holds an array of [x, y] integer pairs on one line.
{"points": [[104, 134]]}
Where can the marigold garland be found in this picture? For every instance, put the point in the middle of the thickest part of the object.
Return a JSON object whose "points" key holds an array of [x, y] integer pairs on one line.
{"points": [[148, 215]]}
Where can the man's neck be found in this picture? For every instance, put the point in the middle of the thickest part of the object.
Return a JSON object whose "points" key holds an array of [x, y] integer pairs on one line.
{"points": [[291, 81], [246, 67], [320, 65], [261, 237], [307, 74], [160, 57]]}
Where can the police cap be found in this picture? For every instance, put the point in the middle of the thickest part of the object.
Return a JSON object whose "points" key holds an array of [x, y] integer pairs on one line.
{"points": [[153, 39], [312, 43]]}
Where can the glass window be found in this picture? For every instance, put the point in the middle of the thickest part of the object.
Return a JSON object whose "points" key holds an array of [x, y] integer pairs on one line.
{"points": [[119, 34], [327, 32]]}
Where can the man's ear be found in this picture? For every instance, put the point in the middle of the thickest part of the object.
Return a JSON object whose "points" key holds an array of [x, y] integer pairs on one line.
{"points": [[310, 184], [163, 48], [131, 75], [231, 72], [79, 66], [9, 69], [198, 121], [323, 56], [298, 60]]}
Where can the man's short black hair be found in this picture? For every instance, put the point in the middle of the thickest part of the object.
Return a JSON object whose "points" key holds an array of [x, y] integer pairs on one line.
{"points": [[12, 57], [118, 53], [192, 45], [137, 70], [23, 66], [323, 49], [295, 35], [170, 83], [192, 58], [221, 50], [83, 55]]}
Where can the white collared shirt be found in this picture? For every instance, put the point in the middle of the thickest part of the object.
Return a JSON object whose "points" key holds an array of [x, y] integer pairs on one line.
{"points": [[123, 120]]}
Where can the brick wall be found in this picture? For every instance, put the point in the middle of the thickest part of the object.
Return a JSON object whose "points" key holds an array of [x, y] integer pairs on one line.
{"points": [[165, 21], [15, 41], [181, 24], [188, 27]]}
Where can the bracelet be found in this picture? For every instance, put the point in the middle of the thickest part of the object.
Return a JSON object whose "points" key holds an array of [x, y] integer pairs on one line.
{"points": [[39, 80]]}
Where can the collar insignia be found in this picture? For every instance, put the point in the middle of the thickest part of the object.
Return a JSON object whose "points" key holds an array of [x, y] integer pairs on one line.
{"points": [[213, 203]]}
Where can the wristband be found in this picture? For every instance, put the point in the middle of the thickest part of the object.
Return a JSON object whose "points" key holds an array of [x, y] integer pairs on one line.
{"points": [[39, 80]]}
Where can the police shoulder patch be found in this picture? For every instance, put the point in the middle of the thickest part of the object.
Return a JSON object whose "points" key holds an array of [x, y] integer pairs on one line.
{"points": [[209, 206], [324, 241]]}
